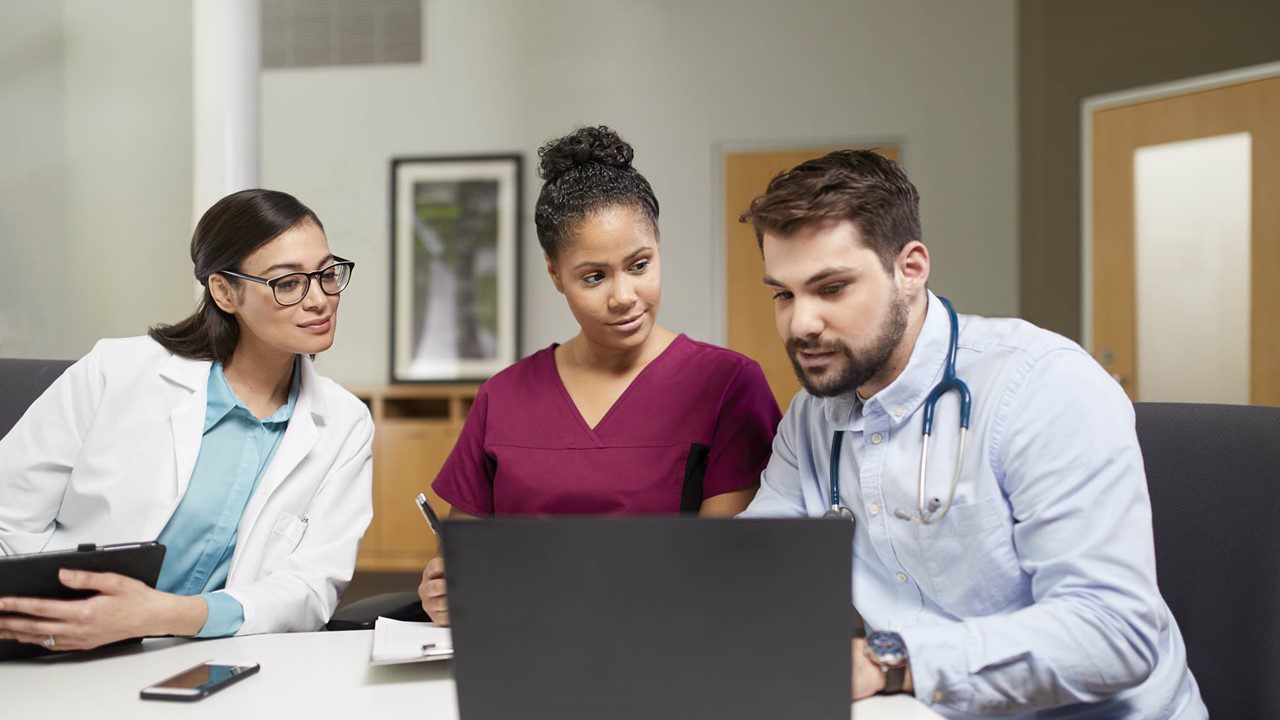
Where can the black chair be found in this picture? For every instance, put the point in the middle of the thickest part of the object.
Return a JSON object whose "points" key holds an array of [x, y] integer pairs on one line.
{"points": [[362, 614], [21, 382], [1214, 476]]}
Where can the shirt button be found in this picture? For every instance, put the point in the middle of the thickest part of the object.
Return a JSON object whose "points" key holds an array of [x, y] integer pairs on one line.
{"points": [[877, 439], [874, 509], [938, 696], [902, 577], [897, 412]]}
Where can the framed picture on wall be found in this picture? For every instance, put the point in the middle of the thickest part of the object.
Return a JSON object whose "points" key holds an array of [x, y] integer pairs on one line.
{"points": [[455, 267]]}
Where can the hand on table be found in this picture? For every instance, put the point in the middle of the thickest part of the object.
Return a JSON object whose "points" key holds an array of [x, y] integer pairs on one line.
{"points": [[123, 608]]}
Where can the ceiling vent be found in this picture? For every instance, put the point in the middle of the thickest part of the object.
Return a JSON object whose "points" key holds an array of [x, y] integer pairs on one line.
{"points": [[318, 33]]}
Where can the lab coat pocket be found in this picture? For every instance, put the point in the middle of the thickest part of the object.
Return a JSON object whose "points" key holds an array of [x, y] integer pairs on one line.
{"points": [[288, 531], [973, 568]]}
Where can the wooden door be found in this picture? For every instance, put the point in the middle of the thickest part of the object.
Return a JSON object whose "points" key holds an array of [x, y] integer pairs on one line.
{"points": [[749, 304], [1250, 110]]}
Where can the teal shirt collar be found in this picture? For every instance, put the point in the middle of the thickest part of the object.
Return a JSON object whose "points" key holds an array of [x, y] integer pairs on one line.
{"points": [[222, 399]]}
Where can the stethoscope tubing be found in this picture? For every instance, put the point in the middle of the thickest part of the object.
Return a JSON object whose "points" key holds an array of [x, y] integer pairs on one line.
{"points": [[935, 510]]}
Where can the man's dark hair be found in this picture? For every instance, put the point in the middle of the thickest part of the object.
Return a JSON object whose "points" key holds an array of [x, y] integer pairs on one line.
{"points": [[583, 172], [862, 186]]}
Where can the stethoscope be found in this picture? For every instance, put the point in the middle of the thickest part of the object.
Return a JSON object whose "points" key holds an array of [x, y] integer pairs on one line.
{"points": [[927, 512]]}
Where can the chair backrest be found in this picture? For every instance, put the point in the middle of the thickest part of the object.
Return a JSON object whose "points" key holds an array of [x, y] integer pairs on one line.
{"points": [[1214, 477], [21, 382]]}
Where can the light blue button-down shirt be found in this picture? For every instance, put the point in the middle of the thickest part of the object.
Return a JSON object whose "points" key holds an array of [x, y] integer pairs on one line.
{"points": [[1038, 589], [200, 537]]}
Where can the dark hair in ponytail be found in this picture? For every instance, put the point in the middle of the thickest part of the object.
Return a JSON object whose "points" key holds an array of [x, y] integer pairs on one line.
{"points": [[230, 231], [587, 170]]}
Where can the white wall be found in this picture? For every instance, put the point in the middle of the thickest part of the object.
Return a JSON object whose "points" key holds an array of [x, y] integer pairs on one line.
{"points": [[95, 183], [678, 80], [95, 171], [32, 172]]}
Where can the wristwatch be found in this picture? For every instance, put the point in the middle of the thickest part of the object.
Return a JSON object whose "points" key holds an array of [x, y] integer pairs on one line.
{"points": [[889, 651]]}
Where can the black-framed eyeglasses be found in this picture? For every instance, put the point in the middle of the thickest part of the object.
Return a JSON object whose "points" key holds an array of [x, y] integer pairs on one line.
{"points": [[291, 288]]}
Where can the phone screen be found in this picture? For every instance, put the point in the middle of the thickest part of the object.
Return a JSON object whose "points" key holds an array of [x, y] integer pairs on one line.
{"points": [[202, 678]]}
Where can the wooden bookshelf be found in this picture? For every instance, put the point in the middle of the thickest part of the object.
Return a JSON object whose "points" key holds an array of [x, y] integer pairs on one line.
{"points": [[415, 429]]}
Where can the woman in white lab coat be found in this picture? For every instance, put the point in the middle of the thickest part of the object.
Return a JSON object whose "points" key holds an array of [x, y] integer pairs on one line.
{"points": [[215, 436]]}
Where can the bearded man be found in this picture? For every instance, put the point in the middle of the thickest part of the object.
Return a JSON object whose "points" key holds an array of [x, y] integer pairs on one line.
{"points": [[1014, 572]]}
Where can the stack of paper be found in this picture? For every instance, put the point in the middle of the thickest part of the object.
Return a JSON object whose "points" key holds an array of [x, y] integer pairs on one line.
{"points": [[404, 642]]}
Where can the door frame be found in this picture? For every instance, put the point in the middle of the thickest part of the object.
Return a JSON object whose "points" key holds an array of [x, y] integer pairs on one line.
{"points": [[720, 148], [1133, 96]]}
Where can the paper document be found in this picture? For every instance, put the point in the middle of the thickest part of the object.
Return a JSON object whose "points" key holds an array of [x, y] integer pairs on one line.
{"points": [[395, 641]]}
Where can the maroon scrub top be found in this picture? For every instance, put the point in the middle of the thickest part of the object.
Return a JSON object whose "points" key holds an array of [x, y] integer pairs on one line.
{"points": [[698, 421]]}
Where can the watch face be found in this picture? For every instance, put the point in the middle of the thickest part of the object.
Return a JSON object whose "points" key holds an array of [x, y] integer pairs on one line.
{"points": [[887, 647]]}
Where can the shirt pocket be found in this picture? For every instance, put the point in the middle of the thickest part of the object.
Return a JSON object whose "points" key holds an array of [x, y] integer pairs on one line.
{"points": [[972, 565], [287, 533]]}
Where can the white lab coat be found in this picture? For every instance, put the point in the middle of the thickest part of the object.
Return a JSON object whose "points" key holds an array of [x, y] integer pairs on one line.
{"points": [[105, 455]]}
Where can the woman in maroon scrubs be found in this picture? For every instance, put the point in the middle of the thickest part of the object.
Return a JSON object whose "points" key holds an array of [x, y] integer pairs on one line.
{"points": [[626, 417]]}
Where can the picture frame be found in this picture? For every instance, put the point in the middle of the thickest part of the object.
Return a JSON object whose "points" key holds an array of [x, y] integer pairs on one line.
{"points": [[455, 267]]}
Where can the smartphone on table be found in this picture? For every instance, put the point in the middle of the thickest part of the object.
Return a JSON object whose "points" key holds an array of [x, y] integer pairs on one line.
{"points": [[199, 682]]}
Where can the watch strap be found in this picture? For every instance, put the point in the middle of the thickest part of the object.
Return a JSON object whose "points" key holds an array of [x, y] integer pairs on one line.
{"points": [[894, 679]]}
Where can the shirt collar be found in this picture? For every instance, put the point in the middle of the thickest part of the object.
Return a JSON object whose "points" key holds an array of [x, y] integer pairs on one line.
{"points": [[908, 391], [222, 399]]}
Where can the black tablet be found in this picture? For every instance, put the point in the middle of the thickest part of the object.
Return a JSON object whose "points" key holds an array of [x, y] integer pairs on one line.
{"points": [[36, 575]]}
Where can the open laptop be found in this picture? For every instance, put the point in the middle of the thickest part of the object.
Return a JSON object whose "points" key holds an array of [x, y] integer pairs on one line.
{"points": [[644, 618]]}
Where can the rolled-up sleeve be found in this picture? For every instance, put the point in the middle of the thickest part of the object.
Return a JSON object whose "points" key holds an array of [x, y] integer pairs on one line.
{"points": [[1066, 453], [226, 615]]}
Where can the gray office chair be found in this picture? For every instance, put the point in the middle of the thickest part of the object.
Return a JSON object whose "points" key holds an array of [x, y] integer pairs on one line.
{"points": [[1214, 476], [21, 382]]}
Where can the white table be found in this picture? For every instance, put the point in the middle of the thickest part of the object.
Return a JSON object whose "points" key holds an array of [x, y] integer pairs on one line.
{"points": [[304, 675]]}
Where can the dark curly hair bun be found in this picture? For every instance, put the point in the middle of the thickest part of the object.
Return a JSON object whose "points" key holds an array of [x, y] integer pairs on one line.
{"points": [[599, 145], [587, 170]]}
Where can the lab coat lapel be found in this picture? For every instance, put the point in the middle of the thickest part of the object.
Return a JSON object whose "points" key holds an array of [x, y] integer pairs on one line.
{"points": [[299, 439], [187, 423], [187, 420]]}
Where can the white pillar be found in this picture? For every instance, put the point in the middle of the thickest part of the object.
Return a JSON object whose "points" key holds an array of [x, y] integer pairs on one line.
{"points": [[227, 61]]}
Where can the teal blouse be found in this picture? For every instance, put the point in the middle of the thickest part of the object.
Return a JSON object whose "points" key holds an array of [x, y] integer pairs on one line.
{"points": [[201, 536]]}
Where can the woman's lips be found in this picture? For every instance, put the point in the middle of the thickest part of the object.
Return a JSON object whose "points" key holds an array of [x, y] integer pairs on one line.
{"points": [[628, 326], [318, 328]]}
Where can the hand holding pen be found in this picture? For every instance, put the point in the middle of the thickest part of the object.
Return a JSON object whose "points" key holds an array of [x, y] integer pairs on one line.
{"points": [[433, 591]]}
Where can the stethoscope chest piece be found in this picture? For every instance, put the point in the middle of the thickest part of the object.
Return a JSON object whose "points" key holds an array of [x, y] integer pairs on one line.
{"points": [[839, 512]]}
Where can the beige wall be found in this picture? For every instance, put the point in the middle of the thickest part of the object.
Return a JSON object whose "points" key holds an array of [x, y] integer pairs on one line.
{"points": [[95, 171], [95, 190], [677, 79], [33, 170], [1071, 49]]}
